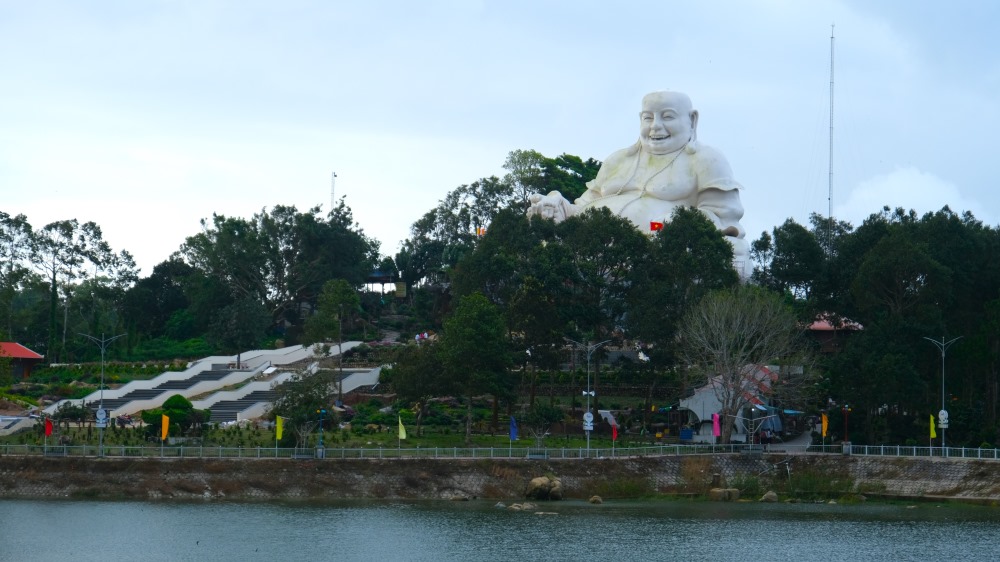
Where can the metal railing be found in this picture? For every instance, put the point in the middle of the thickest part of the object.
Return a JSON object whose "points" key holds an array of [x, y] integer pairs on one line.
{"points": [[909, 451], [550, 453]]}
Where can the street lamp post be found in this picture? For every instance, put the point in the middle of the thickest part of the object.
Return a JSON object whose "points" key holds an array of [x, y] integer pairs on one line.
{"points": [[102, 416], [846, 410], [340, 355], [588, 415], [943, 414]]}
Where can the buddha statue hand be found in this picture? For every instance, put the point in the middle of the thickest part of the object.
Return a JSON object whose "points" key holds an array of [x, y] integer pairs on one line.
{"points": [[552, 206]]}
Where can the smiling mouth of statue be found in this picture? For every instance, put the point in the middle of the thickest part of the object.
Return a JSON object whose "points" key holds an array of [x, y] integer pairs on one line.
{"points": [[658, 137]]}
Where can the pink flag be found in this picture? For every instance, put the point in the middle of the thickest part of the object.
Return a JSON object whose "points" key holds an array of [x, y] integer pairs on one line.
{"points": [[716, 430]]}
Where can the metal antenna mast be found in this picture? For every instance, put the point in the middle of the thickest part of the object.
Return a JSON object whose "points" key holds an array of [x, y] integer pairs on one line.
{"points": [[829, 195], [333, 188]]}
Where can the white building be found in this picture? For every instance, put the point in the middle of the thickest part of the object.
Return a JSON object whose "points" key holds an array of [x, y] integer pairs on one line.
{"points": [[755, 415]]}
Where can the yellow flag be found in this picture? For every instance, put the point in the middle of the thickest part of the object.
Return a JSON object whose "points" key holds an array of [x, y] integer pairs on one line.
{"points": [[825, 423], [279, 426], [933, 433], [402, 430], [164, 426]]}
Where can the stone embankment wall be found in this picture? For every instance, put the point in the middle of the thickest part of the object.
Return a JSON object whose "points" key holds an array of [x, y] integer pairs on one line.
{"points": [[111, 478]]}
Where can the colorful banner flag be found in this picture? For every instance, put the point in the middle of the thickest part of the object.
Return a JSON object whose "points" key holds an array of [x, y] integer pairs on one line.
{"points": [[279, 427], [654, 226], [716, 426], [402, 430], [933, 433], [825, 422], [48, 426], [513, 429], [164, 427], [614, 432]]}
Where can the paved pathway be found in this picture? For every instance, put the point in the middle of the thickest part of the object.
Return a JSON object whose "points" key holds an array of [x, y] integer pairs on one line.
{"points": [[797, 444]]}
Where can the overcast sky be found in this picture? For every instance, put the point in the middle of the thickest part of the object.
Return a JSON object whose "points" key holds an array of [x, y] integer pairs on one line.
{"points": [[147, 116]]}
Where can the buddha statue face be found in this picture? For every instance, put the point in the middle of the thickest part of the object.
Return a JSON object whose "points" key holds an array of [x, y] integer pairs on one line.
{"points": [[666, 122]]}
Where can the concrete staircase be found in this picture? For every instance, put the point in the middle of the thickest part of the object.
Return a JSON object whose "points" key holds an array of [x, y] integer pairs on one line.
{"points": [[146, 394], [229, 410], [205, 375]]}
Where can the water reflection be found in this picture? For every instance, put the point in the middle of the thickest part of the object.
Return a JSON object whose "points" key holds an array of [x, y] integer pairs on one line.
{"points": [[443, 531]]}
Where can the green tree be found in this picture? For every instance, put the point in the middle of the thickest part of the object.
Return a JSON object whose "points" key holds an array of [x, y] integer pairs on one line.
{"points": [[152, 303], [524, 173], [65, 250], [180, 412], [337, 302], [898, 276], [531, 172], [280, 258], [500, 261], [726, 339], [474, 352], [443, 236], [539, 418], [796, 260], [299, 400], [537, 329], [876, 376], [903, 278], [688, 259], [240, 326], [16, 252], [567, 174], [416, 376], [604, 249]]}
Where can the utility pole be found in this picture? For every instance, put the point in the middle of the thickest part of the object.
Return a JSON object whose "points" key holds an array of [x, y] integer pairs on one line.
{"points": [[340, 356], [588, 416], [101, 415], [943, 414]]}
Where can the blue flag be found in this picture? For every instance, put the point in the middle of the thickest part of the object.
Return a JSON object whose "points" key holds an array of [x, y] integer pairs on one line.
{"points": [[513, 429]]}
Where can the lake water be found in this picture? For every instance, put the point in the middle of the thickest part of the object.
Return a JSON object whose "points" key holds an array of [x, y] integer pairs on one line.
{"points": [[477, 531]]}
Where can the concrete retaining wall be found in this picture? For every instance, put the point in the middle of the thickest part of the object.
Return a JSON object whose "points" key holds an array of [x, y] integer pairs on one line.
{"points": [[37, 477]]}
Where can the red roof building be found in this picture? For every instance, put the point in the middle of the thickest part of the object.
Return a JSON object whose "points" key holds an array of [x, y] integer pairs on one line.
{"points": [[832, 334], [22, 358]]}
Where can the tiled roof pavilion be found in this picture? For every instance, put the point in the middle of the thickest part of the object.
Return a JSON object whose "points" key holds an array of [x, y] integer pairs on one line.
{"points": [[23, 358]]}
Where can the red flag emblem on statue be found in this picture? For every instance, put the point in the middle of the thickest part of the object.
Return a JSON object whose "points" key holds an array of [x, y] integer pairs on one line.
{"points": [[48, 426], [614, 433], [654, 226]]}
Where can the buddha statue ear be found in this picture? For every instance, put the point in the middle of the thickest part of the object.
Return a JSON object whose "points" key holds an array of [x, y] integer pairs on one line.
{"points": [[692, 144]]}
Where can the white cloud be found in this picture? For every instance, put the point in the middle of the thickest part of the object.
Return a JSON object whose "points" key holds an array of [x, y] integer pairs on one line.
{"points": [[911, 189], [146, 117]]}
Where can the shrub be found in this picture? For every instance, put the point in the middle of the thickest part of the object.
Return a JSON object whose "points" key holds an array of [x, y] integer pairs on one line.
{"points": [[749, 486]]}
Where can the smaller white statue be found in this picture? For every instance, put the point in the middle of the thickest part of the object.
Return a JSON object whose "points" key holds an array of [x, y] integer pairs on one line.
{"points": [[667, 168]]}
